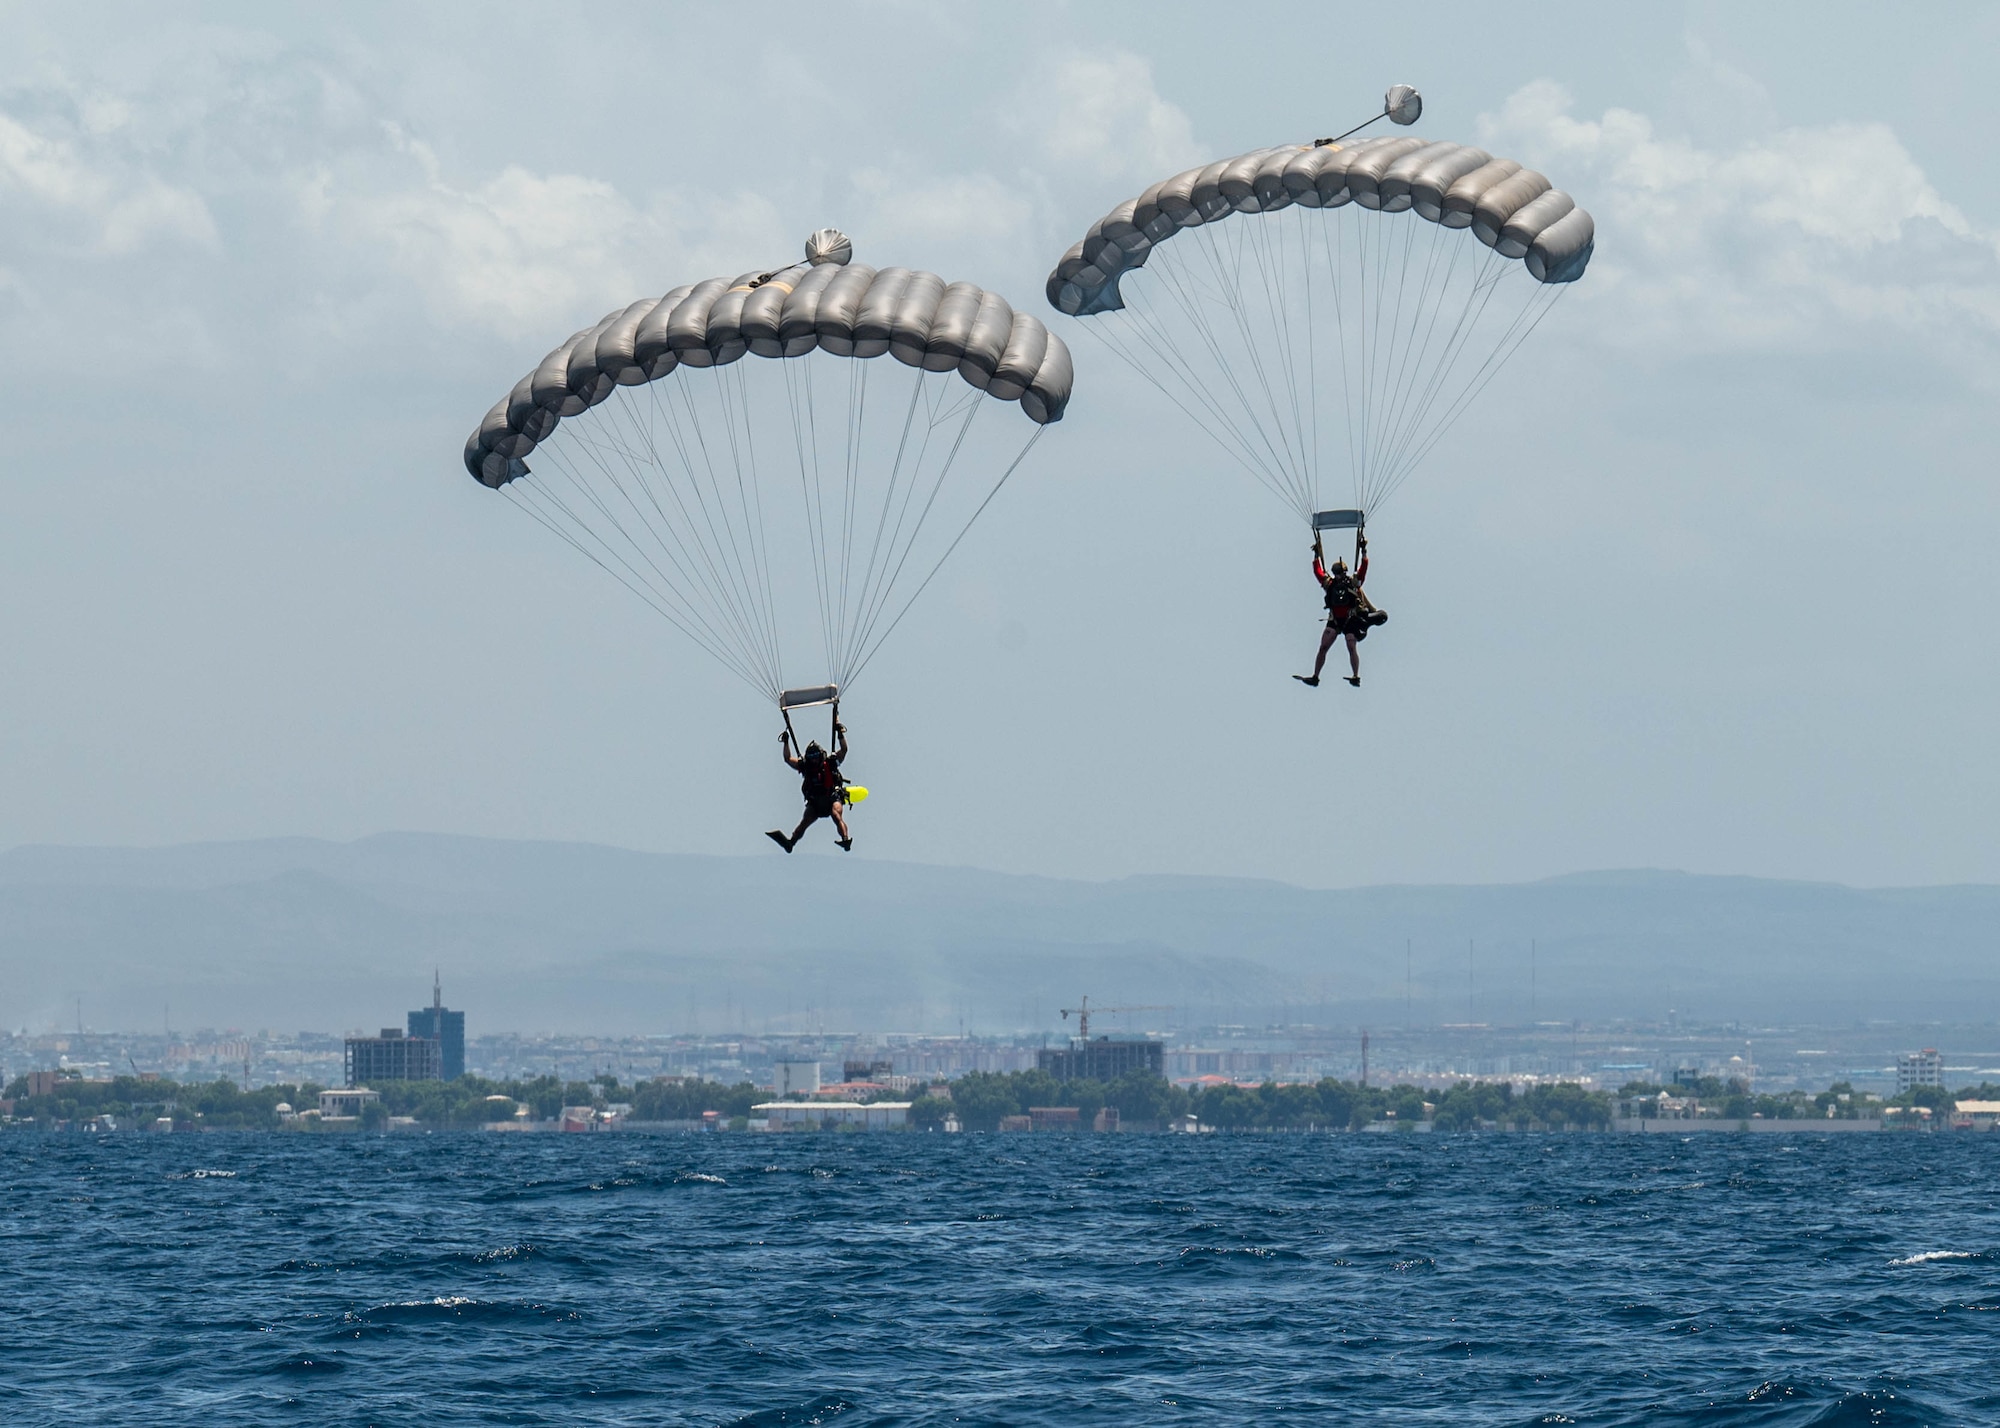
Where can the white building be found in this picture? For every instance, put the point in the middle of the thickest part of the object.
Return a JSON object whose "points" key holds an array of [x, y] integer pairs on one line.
{"points": [[794, 1079], [833, 1115], [345, 1105], [1919, 1068]]}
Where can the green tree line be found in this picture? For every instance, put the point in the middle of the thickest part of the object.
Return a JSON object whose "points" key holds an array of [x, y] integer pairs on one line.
{"points": [[1733, 1100], [982, 1098], [467, 1101]]}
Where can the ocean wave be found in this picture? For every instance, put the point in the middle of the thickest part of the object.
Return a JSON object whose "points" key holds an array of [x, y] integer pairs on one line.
{"points": [[1229, 1254], [814, 1411], [460, 1308], [1112, 1280], [1934, 1256], [306, 1364], [203, 1175]]}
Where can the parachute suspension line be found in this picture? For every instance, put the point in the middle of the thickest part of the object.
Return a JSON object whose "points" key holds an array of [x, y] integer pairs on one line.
{"points": [[1172, 278], [752, 500], [940, 411], [1181, 282], [1272, 272], [719, 549], [805, 440], [1483, 284], [563, 457], [1517, 333], [660, 524], [1255, 343], [715, 508], [1399, 378], [1328, 232], [1382, 353], [938, 565], [726, 584], [526, 497], [673, 541], [670, 539], [872, 569], [1313, 361], [666, 541], [857, 411], [1193, 395], [1241, 438], [1415, 336]]}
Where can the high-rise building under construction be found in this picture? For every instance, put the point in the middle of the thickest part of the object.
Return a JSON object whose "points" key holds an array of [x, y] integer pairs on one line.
{"points": [[1102, 1059], [446, 1028]]}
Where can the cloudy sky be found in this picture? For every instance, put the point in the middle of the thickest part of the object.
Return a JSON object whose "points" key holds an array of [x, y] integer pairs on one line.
{"points": [[1708, 586]]}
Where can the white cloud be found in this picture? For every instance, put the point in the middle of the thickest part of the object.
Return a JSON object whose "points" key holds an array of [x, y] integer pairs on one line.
{"points": [[120, 205], [521, 252], [1101, 116], [1782, 238]]}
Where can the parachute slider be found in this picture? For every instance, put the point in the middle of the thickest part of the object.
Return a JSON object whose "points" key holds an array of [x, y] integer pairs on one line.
{"points": [[1339, 520], [807, 698]]}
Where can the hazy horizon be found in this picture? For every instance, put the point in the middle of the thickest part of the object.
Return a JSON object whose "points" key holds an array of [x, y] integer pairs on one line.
{"points": [[580, 936], [809, 851]]}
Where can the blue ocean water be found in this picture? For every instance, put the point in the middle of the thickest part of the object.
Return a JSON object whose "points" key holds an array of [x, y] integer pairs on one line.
{"points": [[861, 1280]]}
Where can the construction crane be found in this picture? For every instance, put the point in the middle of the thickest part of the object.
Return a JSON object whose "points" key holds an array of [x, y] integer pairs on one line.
{"points": [[1084, 1013]]}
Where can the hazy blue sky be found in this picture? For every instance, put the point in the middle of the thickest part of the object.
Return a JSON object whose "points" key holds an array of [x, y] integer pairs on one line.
{"points": [[1724, 600]]}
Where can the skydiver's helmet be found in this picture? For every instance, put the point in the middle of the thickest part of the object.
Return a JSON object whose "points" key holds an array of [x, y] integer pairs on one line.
{"points": [[814, 753], [1339, 567]]}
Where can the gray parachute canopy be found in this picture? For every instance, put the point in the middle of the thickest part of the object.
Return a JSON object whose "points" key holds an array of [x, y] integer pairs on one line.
{"points": [[730, 495], [1279, 300]]}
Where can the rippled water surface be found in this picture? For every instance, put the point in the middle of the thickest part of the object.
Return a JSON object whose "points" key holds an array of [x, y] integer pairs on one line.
{"points": [[859, 1280]]}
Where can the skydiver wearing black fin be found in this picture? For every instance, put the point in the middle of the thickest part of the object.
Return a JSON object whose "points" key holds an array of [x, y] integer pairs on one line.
{"points": [[820, 781], [1349, 611]]}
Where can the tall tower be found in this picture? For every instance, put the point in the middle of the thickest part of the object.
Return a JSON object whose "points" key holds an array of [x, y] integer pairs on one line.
{"points": [[444, 1026]]}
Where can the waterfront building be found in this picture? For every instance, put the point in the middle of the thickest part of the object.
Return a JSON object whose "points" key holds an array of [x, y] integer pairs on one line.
{"points": [[391, 1056], [793, 1079], [1976, 1115], [833, 1115], [1919, 1068], [446, 1028], [346, 1105], [1102, 1059]]}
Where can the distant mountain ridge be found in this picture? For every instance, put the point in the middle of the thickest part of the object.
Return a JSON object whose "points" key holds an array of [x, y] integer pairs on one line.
{"points": [[301, 933]]}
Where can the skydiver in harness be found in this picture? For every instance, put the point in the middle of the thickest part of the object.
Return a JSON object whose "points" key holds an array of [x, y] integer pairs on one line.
{"points": [[1349, 611], [821, 782]]}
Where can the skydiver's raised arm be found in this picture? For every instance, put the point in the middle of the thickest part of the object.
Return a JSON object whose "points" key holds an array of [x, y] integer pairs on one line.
{"points": [[785, 750], [839, 742]]}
